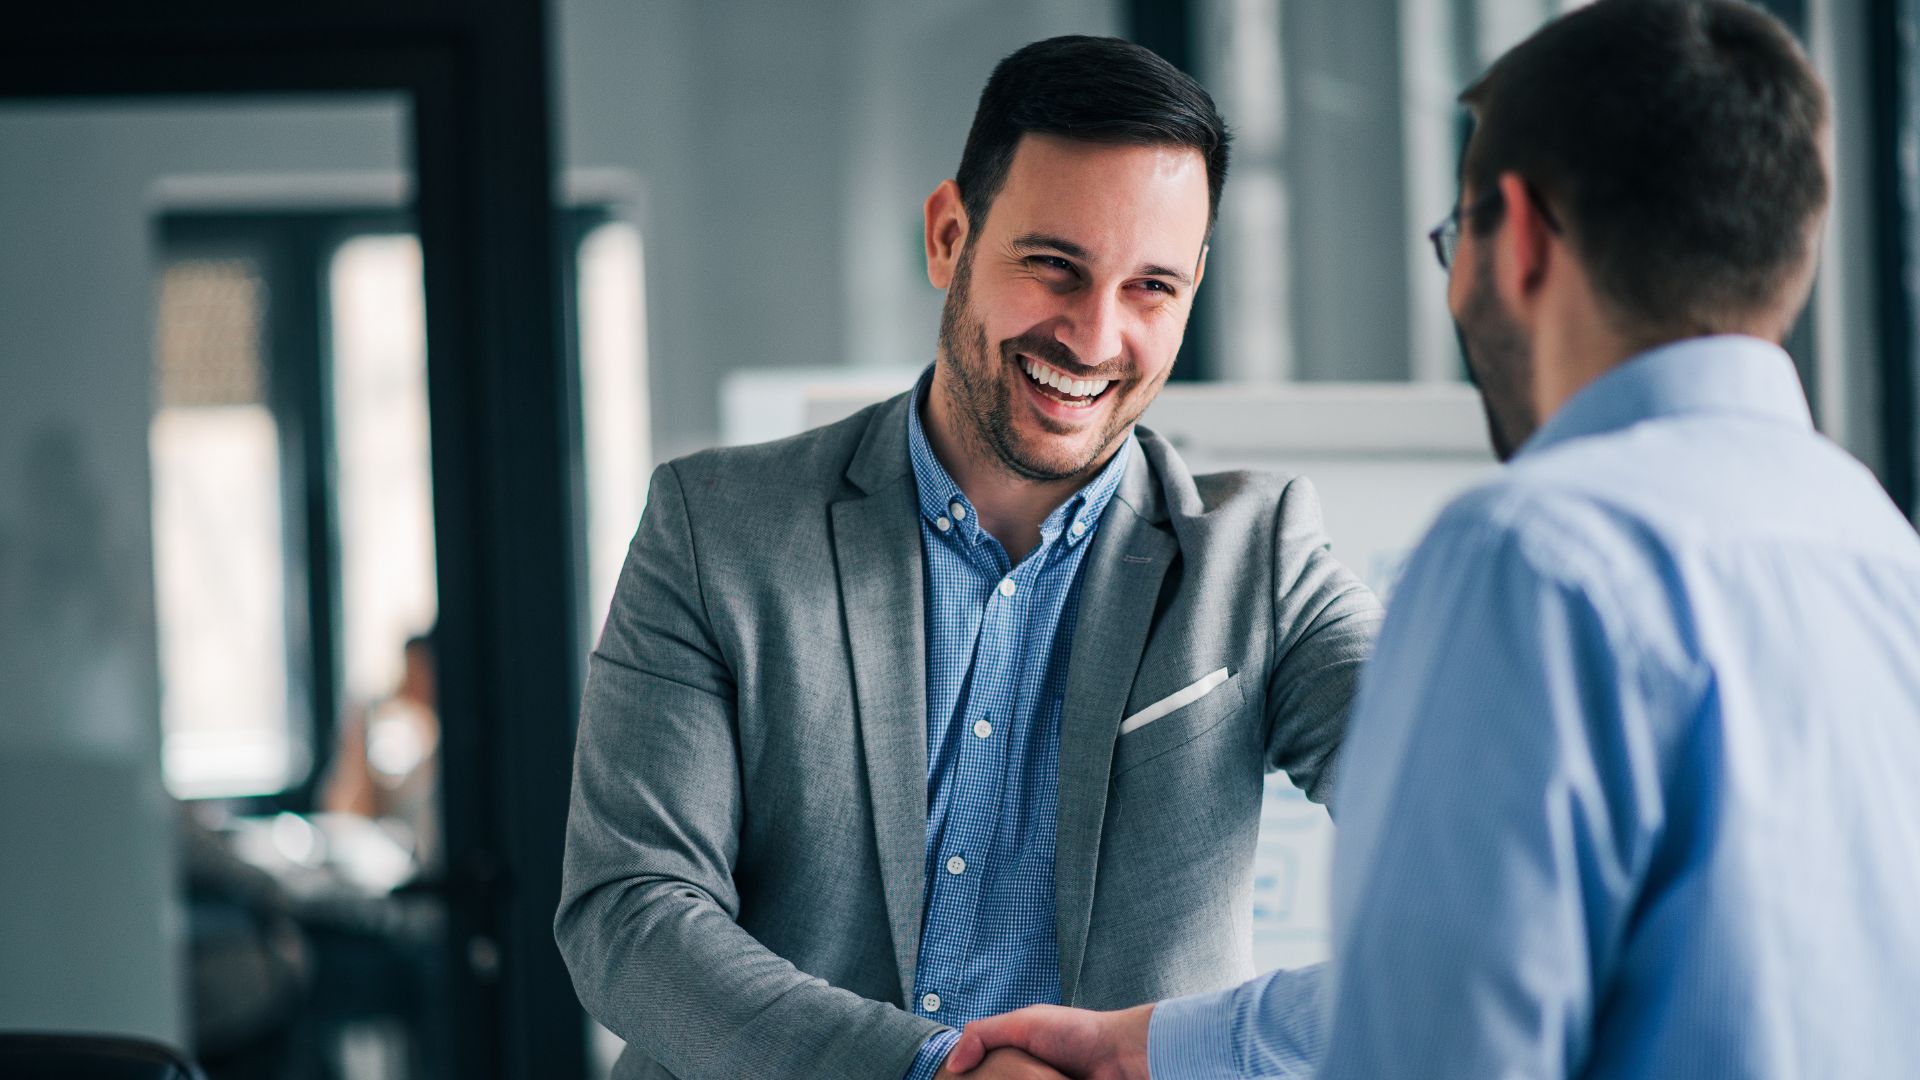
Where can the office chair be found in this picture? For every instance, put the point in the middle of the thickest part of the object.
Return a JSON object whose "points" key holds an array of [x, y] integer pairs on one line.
{"points": [[90, 1057]]}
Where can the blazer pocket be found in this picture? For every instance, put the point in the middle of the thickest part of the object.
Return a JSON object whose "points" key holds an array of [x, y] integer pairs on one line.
{"points": [[1178, 718], [1179, 699]]}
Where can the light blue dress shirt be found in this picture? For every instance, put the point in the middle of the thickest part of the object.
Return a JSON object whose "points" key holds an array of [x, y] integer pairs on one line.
{"points": [[998, 640], [1633, 785]]}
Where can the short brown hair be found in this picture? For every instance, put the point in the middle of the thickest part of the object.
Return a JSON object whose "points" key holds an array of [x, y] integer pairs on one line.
{"points": [[1680, 143], [1102, 90]]}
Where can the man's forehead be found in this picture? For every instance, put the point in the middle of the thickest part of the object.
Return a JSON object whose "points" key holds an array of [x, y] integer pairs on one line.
{"points": [[1106, 195], [1038, 155]]}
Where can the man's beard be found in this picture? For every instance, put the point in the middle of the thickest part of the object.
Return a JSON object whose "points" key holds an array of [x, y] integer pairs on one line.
{"points": [[1499, 362], [981, 401]]}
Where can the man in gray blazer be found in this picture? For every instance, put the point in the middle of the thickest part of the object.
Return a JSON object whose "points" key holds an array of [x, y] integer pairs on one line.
{"points": [[966, 702]]}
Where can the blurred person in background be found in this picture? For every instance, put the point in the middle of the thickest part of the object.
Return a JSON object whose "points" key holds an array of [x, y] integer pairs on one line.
{"points": [[966, 702], [386, 766], [1630, 788]]}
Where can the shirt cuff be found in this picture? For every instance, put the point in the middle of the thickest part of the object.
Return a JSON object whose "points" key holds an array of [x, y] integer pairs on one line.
{"points": [[933, 1054], [1191, 1038]]}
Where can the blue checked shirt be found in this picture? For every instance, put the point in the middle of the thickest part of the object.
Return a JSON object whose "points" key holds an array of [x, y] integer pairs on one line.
{"points": [[1631, 784], [998, 639]]}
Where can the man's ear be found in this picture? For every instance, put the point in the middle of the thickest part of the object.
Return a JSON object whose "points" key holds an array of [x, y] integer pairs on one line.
{"points": [[1527, 245], [946, 233], [1200, 269]]}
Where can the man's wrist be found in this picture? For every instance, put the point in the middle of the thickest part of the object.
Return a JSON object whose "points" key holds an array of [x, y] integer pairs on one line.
{"points": [[1136, 1034], [932, 1054]]}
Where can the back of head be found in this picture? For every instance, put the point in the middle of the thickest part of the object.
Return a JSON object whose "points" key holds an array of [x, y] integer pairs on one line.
{"points": [[1681, 142], [1101, 90]]}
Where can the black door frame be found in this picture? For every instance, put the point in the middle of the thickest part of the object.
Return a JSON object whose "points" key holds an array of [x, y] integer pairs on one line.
{"points": [[1894, 31], [501, 400]]}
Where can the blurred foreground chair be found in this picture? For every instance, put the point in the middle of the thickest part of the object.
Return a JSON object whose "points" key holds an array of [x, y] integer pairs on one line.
{"points": [[90, 1057]]}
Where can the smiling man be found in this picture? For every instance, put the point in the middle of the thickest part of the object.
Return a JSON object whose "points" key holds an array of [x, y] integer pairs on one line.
{"points": [[964, 703]]}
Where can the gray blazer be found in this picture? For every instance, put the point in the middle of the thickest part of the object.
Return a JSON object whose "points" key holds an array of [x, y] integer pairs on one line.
{"points": [[745, 848]]}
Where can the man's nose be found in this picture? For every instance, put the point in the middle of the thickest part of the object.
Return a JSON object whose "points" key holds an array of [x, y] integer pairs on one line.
{"points": [[1093, 328]]}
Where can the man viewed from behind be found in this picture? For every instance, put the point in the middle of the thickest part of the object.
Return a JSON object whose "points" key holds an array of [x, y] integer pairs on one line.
{"points": [[966, 702], [1630, 790]]}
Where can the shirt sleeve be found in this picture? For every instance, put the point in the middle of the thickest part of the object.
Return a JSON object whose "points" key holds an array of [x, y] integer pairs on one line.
{"points": [[1496, 809], [933, 1054], [1272, 1027]]}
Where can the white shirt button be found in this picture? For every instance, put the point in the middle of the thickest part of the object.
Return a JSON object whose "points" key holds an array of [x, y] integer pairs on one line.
{"points": [[930, 1003], [959, 512], [982, 728], [1079, 528], [942, 524], [956, 866], [1006, 586]]}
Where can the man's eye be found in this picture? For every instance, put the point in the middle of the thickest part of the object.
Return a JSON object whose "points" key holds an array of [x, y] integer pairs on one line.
{"points": [[1157, 286], [1052, 262]]}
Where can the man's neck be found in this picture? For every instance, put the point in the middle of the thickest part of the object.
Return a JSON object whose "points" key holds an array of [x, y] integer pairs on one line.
{"points": [[1578, 345], [1010, 507]]}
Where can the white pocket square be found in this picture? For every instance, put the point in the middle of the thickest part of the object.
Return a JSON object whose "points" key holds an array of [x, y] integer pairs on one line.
{"points": [[1179, 699]]}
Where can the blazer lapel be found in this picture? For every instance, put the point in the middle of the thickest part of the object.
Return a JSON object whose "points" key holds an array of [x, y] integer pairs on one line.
{"points": [[1124, 569], [876, 541]]}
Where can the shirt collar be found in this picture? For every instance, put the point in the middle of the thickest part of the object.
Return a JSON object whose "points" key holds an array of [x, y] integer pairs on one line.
{"points": [[1727, 373], [941, 500]]}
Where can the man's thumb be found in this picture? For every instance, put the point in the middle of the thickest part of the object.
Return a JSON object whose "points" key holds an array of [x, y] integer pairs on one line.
{"points": [[966, 1053]]}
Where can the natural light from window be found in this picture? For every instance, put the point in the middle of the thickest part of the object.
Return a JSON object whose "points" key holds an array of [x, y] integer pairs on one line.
{"points": [[613, 394], [384, 487], [219, 567]]}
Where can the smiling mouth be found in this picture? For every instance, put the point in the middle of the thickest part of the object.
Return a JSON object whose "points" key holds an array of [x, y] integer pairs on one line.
{"points": [[1061, 387]]}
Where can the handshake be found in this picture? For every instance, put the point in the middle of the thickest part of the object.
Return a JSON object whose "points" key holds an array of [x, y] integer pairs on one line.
{"points": [[1047, 1042]]}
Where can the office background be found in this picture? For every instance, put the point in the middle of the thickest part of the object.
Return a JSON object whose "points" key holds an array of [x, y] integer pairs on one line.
{"points": [[254, 435]]}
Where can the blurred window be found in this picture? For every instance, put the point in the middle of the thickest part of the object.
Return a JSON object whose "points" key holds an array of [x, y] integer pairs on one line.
{"points": [[1347, 147], [611, 276], [1347, 143], [219, 561], [293, 508], [384, 493]]}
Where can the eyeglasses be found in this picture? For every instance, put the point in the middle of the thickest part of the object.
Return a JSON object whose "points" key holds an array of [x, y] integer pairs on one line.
{"points": [[1446, 235]]}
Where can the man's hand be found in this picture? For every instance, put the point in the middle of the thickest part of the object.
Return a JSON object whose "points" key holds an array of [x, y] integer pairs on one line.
{"points": [[1003, 1064], [1091, 1045]]}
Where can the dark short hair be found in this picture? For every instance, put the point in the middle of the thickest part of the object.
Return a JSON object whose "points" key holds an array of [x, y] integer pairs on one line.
{"points": [[1102, 90], [1679, 142]]}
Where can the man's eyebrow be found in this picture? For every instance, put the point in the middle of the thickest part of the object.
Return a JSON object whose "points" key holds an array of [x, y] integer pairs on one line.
{"points": [[1153, 270], [1032, 241], [1046, 241]]}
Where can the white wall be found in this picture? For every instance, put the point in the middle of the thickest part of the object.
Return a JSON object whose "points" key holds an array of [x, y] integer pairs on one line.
{"points": [[90, 923]]}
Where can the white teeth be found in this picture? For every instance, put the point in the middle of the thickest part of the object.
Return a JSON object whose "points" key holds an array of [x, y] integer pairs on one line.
{"points": [[1046, 376]]}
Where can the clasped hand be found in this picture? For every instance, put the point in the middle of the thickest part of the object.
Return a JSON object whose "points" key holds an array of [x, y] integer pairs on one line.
{"points": [[1078, 1043]]}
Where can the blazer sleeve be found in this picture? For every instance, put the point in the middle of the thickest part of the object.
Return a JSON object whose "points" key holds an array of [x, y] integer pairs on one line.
{"points": [[1324, 625], [648, 901]]}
